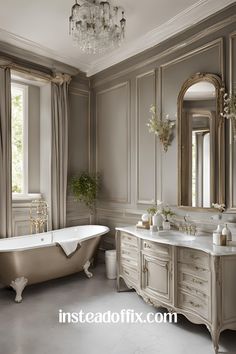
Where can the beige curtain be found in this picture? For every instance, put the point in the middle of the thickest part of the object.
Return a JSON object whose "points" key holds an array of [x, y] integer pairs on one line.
{"points": [[60, 113], [5, 154]]}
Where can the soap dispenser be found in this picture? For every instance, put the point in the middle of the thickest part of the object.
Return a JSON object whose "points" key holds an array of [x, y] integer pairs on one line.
{"points": [[216, 235], [226, 231]]}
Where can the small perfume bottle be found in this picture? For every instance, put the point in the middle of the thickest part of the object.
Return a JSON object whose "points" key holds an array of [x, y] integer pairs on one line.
{"points": [[227, 233]]}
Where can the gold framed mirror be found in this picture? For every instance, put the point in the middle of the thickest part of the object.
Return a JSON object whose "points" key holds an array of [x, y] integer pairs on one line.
{"points": [[201, 142]]}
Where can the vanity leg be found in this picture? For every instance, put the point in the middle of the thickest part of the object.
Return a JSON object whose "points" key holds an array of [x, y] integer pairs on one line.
{"points": [[86, 269], [215, 336], [18, 285], [118, 284]]}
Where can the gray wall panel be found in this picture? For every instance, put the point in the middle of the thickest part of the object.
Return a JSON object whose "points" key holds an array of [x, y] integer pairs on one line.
{"points": [[78, 134], [113, 142], [197, 50], [146, 149]]}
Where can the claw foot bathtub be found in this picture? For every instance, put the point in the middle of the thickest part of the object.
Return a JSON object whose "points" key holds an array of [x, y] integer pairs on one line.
{"points": [[26, 260]]}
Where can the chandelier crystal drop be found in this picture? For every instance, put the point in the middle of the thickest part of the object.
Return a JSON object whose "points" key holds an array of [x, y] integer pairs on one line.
{"points": [[97, 26]]}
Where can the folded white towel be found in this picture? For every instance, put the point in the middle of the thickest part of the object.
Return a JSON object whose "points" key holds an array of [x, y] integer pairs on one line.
{"points": [[69, 247]]}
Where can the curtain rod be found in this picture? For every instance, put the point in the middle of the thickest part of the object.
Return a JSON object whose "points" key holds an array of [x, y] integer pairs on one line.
{"points": [[56, 77]]}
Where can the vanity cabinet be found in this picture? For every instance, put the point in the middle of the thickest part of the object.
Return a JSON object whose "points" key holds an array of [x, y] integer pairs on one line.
{"points": [[199, 283], [129, 258], [194, 281], [156, 275]]}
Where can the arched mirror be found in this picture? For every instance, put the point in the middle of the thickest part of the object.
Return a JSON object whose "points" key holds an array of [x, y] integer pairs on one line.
{"points": [[201, 142]]}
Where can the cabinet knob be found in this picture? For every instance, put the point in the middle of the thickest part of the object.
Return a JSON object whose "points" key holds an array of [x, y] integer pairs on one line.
{"points": [[147, 246], [194, 305], [197, 281]]}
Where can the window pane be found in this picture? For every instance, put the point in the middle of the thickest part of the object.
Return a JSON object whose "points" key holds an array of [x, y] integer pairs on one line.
{"points": [[17, 138]]}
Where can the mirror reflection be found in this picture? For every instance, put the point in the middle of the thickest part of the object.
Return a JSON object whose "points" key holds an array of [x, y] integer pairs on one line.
{"points": [[197, 130]]}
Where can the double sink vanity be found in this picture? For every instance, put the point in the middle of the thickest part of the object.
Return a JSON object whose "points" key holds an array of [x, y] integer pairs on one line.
{"points": [[183, 273]]}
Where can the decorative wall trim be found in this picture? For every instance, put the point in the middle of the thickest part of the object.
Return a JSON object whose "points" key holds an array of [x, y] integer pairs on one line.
{"points": [[196, 37], [20, 220], [22, 48], [216, 43], [125, 84], [73, 90], [232, 88], [138, 200], [182, 21], [159, 164], [78, 91], [119, 212]]}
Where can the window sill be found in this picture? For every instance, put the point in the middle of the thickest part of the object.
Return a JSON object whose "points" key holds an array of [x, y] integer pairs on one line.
{"points": [[25, 197]]}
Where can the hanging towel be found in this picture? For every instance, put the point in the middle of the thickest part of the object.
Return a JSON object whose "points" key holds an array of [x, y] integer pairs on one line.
{"points": [[69, 247]]}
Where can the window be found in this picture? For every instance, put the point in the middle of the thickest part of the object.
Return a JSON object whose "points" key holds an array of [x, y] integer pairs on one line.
{"points": [[19, 100]]}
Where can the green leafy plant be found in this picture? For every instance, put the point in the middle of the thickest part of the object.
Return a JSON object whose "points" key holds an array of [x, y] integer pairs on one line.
{"points": [[155, 208], [85, 188], [167, 213], [152, 211]]}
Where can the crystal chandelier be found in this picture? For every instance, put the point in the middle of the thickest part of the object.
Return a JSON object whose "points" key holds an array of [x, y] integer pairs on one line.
{"points": [[97, 26]]}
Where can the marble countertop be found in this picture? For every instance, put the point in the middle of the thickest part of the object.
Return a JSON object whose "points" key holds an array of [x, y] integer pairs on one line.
{"points": [[172, 237]]}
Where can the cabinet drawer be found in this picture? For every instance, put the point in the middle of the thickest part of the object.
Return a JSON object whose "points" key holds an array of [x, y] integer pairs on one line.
{"points": [[193, 291], [128, 273], [129, 254], [129, 239], [193, 303], [195, 270], [187, 255], [128, 246], [197, 283], [163, 250], [129, 261]]}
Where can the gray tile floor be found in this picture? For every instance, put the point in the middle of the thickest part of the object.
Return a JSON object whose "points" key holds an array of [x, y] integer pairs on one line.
{"points": [[32, 327]]}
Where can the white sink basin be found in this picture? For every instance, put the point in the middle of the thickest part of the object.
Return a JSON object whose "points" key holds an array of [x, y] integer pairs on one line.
{"points": [[175, 236]]}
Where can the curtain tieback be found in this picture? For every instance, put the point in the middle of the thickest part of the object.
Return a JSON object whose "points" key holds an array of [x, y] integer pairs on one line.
{"points": [[60, 78]]}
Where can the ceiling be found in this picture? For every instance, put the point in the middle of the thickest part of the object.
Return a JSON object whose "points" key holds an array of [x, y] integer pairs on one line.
{"points": [[42, 27]]}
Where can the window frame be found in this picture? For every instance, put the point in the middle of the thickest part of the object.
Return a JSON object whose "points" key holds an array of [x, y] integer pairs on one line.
{"points": [[25, 90]]}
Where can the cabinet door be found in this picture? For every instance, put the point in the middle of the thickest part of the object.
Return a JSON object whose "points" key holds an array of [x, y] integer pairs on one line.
{"points": [[156, 277]]}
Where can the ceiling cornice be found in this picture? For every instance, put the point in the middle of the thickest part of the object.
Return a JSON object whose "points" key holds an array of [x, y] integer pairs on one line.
{"points": [[15, 45], [23, 48], [185, 19]]}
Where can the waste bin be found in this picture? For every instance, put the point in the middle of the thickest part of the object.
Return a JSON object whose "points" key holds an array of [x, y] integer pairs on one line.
{"points": [[110, 260]]}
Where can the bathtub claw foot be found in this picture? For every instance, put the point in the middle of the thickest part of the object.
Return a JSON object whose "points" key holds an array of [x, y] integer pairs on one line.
{"points": [[86, 267], [18, 285]]}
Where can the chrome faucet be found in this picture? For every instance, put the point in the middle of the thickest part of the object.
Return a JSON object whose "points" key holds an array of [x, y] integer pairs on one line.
{"points": [[188, 227]]}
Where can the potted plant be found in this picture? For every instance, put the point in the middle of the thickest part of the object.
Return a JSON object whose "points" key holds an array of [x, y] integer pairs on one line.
{"points": [[166, 213], [85, 187], [220, 208], [154, 214]]}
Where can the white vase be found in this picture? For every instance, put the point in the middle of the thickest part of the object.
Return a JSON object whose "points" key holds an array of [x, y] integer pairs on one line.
{"points": [[166, 225], [157, 220]]}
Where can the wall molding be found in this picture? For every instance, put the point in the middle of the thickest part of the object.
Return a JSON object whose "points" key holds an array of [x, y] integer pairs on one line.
{"points": [[216, 43], [138, 200], [21, 48], [181, 45], [74, 90], [125, 84], [182, 21], [78, 91], [232, 88], [26, 49]]}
